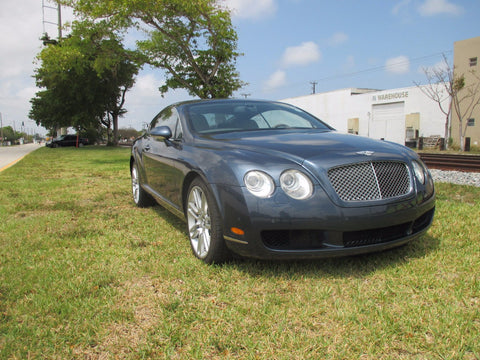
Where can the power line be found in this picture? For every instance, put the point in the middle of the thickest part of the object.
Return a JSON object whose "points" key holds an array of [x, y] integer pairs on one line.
{"points": [[383, 67]]}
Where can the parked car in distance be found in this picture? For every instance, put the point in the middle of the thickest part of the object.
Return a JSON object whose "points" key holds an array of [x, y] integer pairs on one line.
{"points": [[268, 180], [67, 140]]}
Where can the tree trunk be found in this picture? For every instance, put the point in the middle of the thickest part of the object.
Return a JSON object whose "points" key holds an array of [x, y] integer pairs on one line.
{"points": [[115, 129], [462, 138], [446, 134]]}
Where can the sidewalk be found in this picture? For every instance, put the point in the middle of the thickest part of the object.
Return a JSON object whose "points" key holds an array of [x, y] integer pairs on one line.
{"points": [[9, 155]]}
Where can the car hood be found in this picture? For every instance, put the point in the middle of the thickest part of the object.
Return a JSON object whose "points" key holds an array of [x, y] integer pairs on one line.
{"points": [[326, 148]]}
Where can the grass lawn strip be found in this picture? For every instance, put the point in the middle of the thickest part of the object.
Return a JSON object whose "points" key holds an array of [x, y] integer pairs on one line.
{"points": [[85, 274]]}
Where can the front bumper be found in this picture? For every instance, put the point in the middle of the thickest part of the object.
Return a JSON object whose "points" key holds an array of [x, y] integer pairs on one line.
{"points": [[283, 228]]}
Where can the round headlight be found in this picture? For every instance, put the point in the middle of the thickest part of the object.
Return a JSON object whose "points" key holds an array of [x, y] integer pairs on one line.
{"points": [[419, 171], [296, 184], [259, 183]]}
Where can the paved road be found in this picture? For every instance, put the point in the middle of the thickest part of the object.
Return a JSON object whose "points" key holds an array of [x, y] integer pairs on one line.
{"points": [[9, 155]]}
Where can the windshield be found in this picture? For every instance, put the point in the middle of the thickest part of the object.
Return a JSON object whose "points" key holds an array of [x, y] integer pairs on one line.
{"points": [[228, 116]]}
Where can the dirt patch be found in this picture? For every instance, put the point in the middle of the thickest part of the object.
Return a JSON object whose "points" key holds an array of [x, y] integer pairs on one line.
{"points": [[144, 298]]}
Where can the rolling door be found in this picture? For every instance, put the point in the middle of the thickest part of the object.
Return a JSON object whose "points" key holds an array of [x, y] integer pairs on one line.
{"points": [[388, 122]]}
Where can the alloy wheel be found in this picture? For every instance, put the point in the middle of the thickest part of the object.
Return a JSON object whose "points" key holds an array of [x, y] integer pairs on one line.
{"points": [[135, 185], [199, 223]]}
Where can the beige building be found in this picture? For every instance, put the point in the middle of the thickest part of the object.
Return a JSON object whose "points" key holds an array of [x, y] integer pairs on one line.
{"points": [[466, 60]]}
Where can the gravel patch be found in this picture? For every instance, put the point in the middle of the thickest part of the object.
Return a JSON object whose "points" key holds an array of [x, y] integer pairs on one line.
{"points": [[456, 177]]}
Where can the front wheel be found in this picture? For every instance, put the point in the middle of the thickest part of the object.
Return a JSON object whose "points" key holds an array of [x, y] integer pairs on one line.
{"points": [[204, 225], [140, 196]]}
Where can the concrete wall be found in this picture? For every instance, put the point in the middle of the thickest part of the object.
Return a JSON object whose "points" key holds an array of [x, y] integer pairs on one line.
{"points": [[336, 107]]}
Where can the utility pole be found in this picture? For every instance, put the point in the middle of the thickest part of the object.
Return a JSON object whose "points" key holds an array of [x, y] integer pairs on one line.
{"points": [[313, 83], [245, 95], [58, 8], [59, 22]]}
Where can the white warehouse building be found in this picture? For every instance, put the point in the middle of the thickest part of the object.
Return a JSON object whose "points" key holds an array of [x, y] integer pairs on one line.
{"points": [[399, 115]]}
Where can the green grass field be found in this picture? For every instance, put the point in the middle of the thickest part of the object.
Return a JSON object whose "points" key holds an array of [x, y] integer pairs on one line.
{"points": [[84, 274]]}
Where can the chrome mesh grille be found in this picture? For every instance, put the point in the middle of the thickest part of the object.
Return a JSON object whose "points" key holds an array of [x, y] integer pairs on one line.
{"points": [[370, 180]]}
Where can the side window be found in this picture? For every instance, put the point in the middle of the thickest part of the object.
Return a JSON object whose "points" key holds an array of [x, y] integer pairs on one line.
{"points": [[168, 117]]}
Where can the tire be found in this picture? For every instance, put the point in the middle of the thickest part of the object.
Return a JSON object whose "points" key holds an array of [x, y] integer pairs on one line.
{"points": [[204, 224], [140, 196]]}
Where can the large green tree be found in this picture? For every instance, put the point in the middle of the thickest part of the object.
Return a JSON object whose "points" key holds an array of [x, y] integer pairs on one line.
{"points": [[192, 40], [9, 134], [69, 94], [83, 79]]}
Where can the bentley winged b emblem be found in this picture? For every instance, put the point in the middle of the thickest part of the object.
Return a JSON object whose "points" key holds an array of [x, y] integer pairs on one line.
{"points": [[365, 152]]}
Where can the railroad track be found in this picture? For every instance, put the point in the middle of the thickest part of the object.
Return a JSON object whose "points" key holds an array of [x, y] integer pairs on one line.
{"points": [[469, 163]]}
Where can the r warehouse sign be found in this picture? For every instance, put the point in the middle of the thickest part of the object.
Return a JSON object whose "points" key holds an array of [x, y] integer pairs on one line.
{"points": [[389, 97]]}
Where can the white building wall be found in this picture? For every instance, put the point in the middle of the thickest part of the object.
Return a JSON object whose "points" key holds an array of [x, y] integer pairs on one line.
{"points": [[336, 107], [432, 120], [332, 106]]}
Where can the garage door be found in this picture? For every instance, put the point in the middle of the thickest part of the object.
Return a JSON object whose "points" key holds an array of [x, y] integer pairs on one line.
{"points": [[388, 122]]}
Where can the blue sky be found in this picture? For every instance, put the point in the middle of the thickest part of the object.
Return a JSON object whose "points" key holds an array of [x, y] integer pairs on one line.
{"points": [[287, 44], [339, 44]]}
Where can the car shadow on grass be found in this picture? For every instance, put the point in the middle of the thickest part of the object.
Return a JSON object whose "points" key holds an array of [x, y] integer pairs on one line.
{"points": [[172, 220], [357, 266]]}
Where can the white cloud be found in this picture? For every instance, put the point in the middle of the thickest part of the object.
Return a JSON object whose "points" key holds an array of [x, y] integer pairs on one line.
{"points": [[144, 100], [19, 46], [440, 67], [27, 92], [338, 38], [251, 9], [21, 28], [276, 80], [400, 6], [302, 55], [398, 65], [437, 7], [147, 85]]}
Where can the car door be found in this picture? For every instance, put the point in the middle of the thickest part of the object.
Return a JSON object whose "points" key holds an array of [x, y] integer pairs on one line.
{"points": [[161, 158], [70, 140]]}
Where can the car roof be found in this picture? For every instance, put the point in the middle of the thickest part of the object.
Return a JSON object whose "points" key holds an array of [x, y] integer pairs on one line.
{"points": [[222, 101]]}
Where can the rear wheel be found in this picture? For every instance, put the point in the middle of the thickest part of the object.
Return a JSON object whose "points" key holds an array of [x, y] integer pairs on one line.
{"points": [[204, 225], [140, 196]]}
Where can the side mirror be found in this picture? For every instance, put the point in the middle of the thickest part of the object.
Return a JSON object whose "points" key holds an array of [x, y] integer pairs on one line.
{"points": [[162, 131]]}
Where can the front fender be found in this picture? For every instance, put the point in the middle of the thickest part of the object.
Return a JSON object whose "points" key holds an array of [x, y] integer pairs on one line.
{"points": [[136, 157]]}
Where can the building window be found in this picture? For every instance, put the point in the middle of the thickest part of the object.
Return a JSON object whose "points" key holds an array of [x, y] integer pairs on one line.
{"points": [[473, 61], [471, 122]]}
